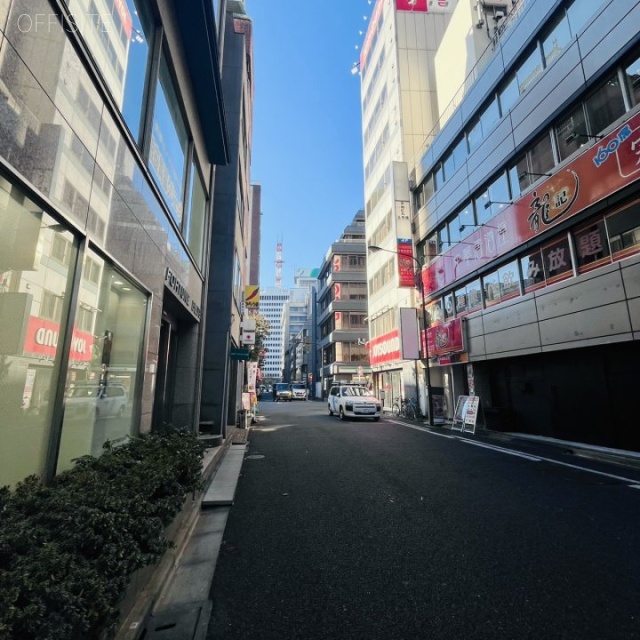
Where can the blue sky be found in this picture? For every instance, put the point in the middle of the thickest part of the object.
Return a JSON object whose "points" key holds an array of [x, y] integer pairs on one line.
{"points": [[307, 132]]}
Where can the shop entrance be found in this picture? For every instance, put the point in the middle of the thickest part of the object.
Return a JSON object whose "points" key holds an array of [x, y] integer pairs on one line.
{"points": [[166, 373]]}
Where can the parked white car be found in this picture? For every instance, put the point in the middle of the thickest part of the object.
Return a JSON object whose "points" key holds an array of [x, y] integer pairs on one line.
{"points": [[353, 401], [88, 400]]}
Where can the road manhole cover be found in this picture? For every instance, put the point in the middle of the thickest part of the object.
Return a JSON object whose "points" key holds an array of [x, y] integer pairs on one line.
{"points": [[255, 456]]}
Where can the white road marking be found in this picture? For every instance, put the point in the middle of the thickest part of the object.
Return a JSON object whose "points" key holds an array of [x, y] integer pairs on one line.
{"points": [[633, 484], [510, 452]]}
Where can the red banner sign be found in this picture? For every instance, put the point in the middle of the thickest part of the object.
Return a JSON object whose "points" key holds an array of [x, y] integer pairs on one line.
{"points": [[406, 273], [445, 338], [42, 339], [385, 348], [594, 175]]}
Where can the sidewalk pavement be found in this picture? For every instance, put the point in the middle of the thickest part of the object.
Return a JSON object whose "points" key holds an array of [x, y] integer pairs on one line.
{"points": [[175, 604]]}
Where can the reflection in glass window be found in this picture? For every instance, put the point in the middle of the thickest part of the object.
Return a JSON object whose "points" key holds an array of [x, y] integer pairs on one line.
{"points": [[461, 300], [449, 307], [474, 295], [474, 135], [196, 216], [448, 165], [453, 231], [579, 13], [624, 231], [34, 309], [459, 153], [491, 287], [102, 378], [591, 246], [540, 156], [605, 105], [570, 132], [489, 117], [509, 277], [119, 41], [492, 201], [558, 39], [529, 70], [520, 177], [467, 221], [557, 261], [508, 95], [532, 271], [632, 75], [169, 141]]}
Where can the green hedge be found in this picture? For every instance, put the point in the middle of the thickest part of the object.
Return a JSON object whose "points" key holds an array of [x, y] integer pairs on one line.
{"points": [[67, 550]]}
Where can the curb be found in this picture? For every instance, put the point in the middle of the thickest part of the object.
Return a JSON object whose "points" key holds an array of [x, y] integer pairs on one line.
{"points": [[132, 625]]}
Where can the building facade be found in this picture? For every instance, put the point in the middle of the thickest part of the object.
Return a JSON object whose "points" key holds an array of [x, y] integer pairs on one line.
{"points": [[528, 223], [342, 332], [108, 141], [223, 378], [272, 306], [399, 108]]}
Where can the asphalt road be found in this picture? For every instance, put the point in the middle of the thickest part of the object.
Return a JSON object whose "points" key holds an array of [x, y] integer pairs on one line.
{"points": [[379, 531]]}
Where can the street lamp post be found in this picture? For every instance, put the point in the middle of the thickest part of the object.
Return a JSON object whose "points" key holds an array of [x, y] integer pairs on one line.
{"points": [[425, 346]]}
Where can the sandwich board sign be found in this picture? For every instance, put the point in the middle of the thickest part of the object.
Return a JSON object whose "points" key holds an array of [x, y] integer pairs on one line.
{"points": [[466, 414]]}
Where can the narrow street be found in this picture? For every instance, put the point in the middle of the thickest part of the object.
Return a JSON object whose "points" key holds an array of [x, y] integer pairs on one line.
{"points": [[389, 531]]}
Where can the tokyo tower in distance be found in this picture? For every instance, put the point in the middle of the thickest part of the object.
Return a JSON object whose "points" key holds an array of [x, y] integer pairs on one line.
{"points": [[279, 262]]}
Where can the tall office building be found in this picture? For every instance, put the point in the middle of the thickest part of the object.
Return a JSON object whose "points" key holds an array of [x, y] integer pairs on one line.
{"points": [[223, 377], [111, 122], [527, 220], [399, 109], [272, 307]]}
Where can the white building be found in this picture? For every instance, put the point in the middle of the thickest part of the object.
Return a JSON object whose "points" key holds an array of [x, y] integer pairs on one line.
{"points": [[399, 109], [272, 305]]}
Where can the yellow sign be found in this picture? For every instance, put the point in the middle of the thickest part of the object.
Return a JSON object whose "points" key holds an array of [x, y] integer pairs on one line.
{"points": [[252, 295]]}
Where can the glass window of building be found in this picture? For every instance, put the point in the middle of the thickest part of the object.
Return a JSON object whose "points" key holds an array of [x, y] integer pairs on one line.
{"points": [[448, 165], [623, 228], [579, 13], [558, 38], [532, 271], [467, 221], [169, 142], [557, 261], [459, 152], [34, 313], [474, 134], [439, 176], [529, 70], [489, 117], [474, 295], [540, 156], [449, 307], [632, 76], [571, 132], [102, 379], [509, 276], [195, 224], [605, 105], [508, 95], [493, 200], [520, 177], [453, 232], [428, 187], [461, 300], [591, 246], [118, 39], [491, 287]]}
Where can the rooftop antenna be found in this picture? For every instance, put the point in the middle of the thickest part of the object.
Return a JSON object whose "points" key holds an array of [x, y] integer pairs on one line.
{"points": [[279, 262]]}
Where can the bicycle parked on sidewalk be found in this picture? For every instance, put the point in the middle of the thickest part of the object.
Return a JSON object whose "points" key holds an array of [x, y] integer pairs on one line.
{"points": [[406, 408]]}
